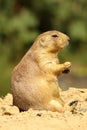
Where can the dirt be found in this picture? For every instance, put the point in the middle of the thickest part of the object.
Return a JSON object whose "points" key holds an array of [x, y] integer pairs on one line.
{"points": [[74, 118]]}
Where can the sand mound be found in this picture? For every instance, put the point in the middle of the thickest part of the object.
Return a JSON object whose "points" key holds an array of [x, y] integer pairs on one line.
{"points": [[74, 118]]}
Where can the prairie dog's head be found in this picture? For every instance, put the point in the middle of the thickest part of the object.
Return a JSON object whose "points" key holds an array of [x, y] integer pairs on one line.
{"points": [[52, 41]]}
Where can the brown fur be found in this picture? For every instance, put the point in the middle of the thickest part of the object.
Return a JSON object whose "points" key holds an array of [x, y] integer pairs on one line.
{"points": [[34, 79]]}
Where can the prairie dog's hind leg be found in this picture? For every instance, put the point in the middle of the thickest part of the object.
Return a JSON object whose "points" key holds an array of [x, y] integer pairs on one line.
{"points": [[54, 105]]}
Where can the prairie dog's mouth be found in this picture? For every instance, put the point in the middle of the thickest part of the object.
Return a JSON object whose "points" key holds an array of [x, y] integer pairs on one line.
{"points": [[67, 43]]}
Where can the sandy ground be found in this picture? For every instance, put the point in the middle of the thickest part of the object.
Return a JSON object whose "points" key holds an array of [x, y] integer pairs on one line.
{"points": [[74, 118]]}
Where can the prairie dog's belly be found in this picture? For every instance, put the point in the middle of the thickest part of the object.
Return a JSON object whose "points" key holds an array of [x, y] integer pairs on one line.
{"points": [[40, 86]]}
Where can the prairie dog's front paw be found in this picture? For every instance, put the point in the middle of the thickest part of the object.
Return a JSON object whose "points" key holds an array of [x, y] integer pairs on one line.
{"points": [[67, 64]]}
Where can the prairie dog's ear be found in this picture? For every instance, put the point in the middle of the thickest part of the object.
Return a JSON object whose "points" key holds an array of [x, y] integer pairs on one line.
{"points": [[42, 42]]}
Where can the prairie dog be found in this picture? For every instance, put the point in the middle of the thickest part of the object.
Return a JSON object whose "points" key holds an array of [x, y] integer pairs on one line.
{"points": [[34, 80]]}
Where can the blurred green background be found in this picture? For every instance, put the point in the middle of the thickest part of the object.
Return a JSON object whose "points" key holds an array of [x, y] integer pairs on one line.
{"points": [[22, 20]]}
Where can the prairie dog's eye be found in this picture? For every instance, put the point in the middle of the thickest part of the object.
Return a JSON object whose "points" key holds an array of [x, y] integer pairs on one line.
{"points": [[54, 35]]}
